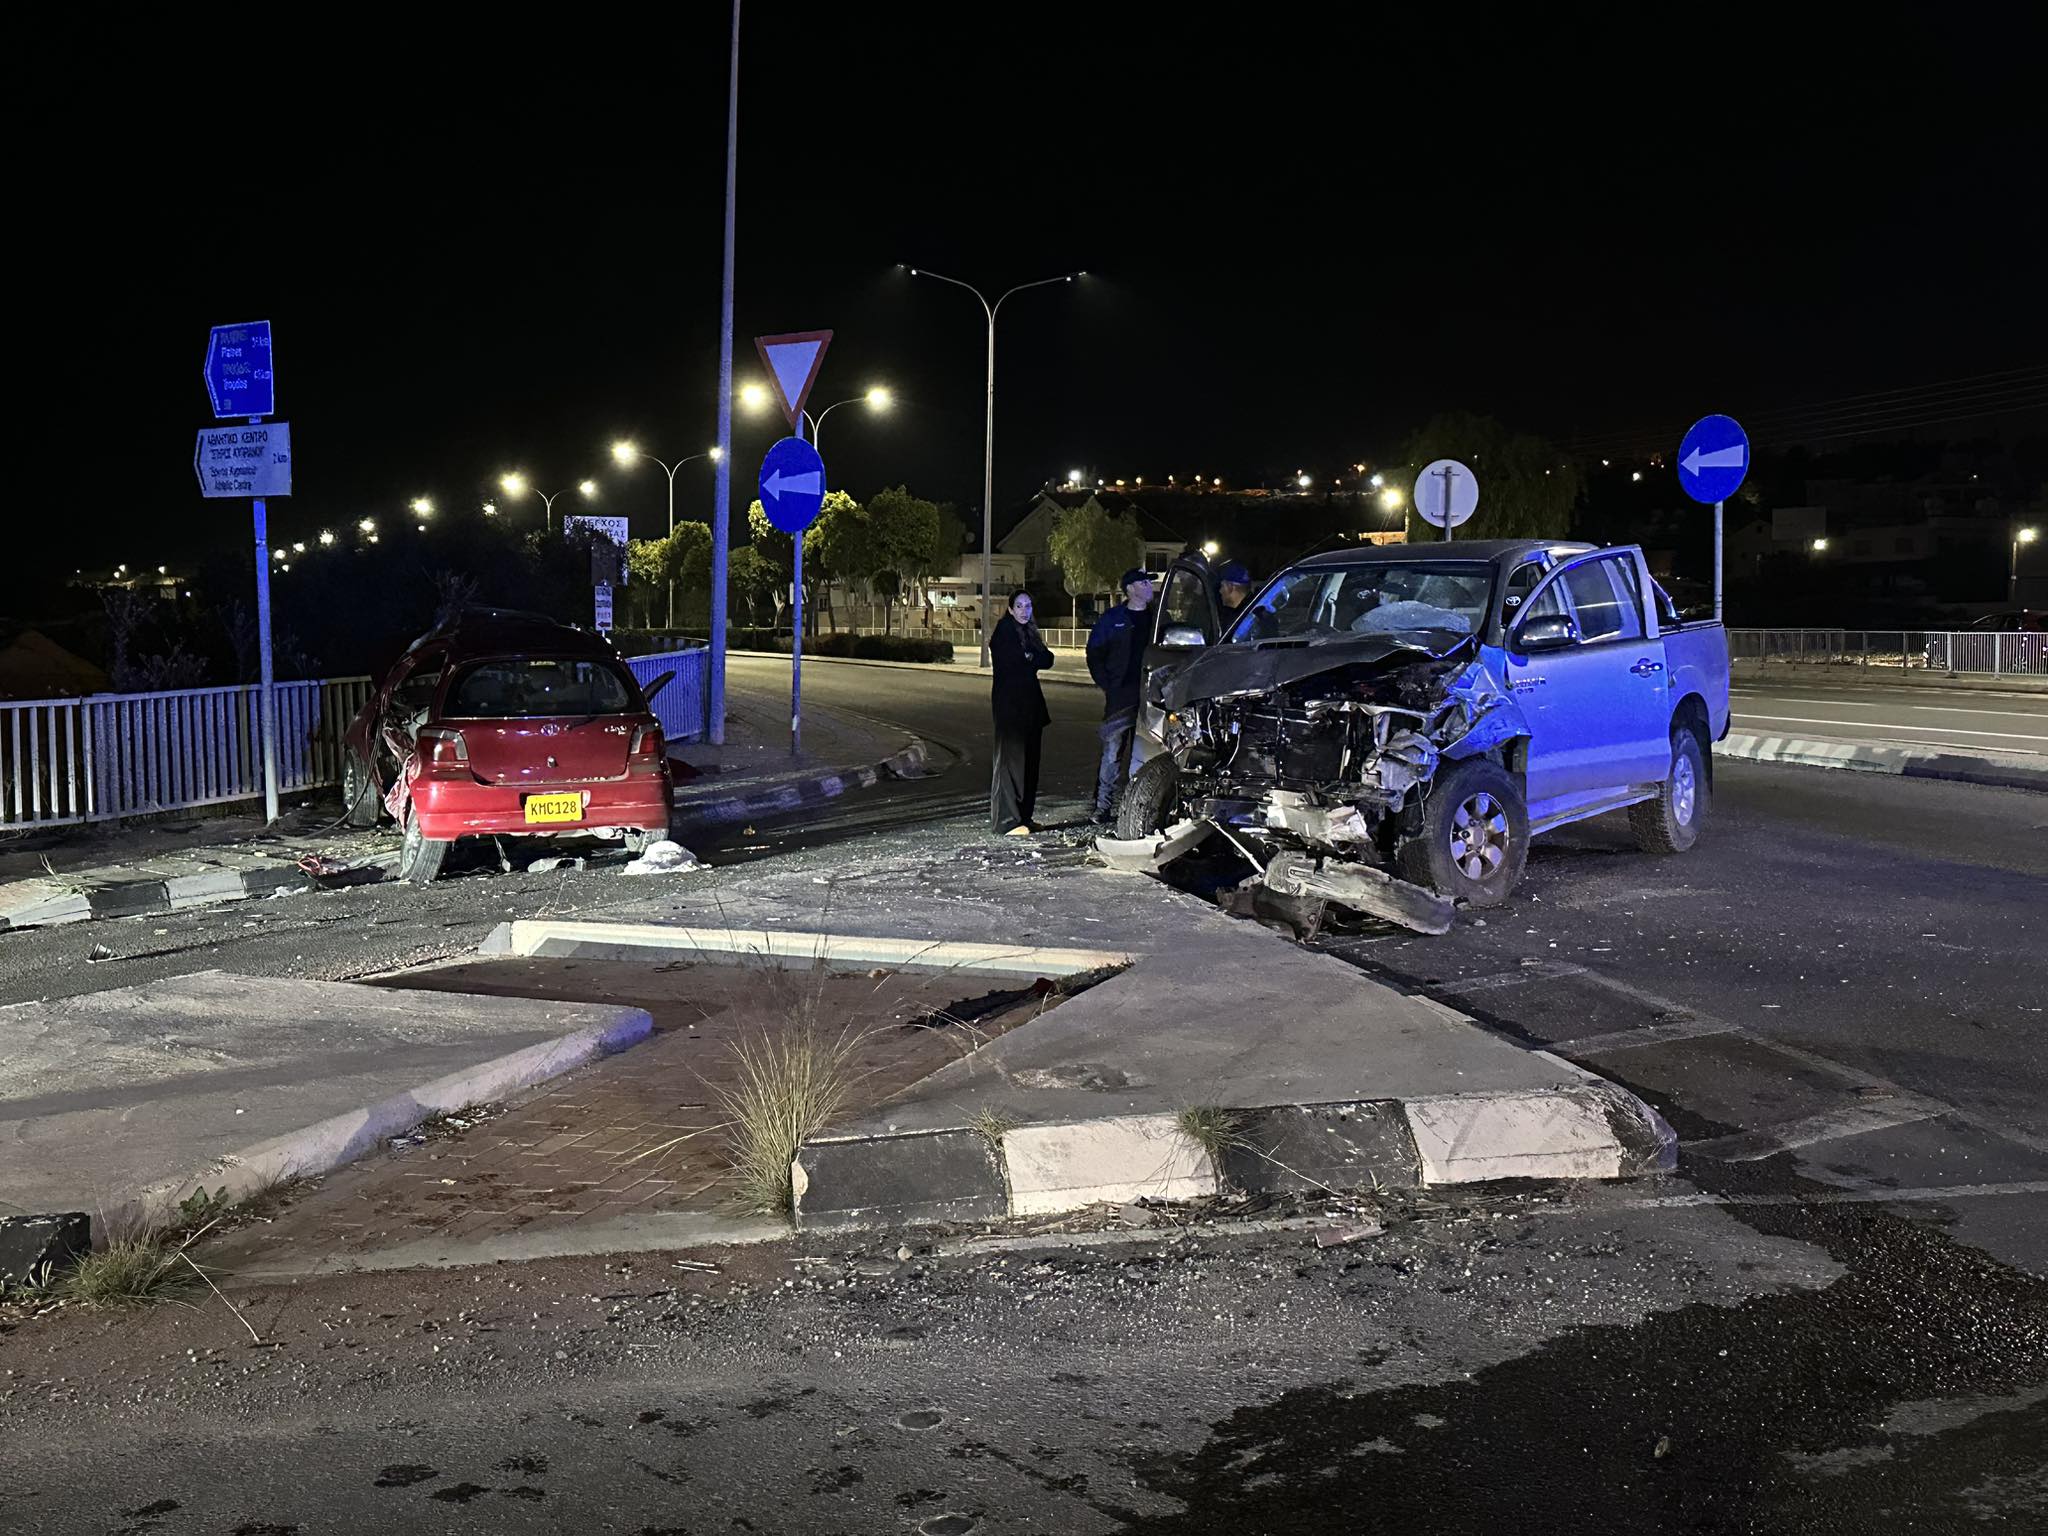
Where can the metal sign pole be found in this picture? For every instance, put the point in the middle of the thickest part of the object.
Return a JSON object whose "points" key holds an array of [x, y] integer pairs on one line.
{"points": [[1446, 537], [1717, 561], [266, 695], [796, 633]]}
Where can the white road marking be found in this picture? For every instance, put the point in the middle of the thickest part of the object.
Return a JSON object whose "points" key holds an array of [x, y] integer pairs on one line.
{"points": [[1549, 970], [1649, 1034], [1945, 709], [1888, 725], [1832, 1125]]}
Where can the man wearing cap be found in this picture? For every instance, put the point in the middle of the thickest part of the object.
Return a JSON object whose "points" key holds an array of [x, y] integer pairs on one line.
{"points": [[1116, 660], [1233, 590]]}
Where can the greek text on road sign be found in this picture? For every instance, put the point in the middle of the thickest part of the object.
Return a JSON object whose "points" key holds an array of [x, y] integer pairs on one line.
{"points": [[238, 373], [792, 485], [1446, 484], [244, 461], [792, 362], [1713, 459]]}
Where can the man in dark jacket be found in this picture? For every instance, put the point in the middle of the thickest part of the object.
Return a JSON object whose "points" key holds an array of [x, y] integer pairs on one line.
{"points": [[1116, 660]]}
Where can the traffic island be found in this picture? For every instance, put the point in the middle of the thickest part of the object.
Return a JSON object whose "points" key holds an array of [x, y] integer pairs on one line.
{"points": [[1212, 1055], [124, 1103]]}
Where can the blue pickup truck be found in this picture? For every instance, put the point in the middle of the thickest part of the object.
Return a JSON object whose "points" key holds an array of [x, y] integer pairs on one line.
{"points": [[1386, 727]]}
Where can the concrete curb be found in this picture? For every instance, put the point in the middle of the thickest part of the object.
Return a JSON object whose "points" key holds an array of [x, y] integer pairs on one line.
{"points": [[914, 761], [1073, 678], [143, 898], [1871, 757], [1593, 1130], [602, 940], [327, 1144]]}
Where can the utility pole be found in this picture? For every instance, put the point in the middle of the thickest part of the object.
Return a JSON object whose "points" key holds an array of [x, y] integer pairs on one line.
{"points": [[721, 495]]}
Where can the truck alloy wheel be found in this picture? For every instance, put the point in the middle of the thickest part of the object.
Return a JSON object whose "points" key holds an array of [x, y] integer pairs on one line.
{"points": [[1473, 836], [1673, 820]]}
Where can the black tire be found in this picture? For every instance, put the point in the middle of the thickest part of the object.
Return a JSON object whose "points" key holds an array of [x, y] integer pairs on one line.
{"points": [[359, 800], [419, 858], [1474, 836], [1150, 799], [1672, 822]]}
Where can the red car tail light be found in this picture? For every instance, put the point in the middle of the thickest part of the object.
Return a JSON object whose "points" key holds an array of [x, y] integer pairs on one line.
{"points": [[443, 753], [647, 754]]}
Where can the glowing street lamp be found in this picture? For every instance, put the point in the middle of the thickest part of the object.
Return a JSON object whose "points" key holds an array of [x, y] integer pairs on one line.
{"points": [[1820, 546], [368, 525], [2020, 536], [516, 484], [1211, 550], [1303, 481], [490, 509], [326, 536], [626, 451], [1073, 477], [1390, 498], [877, 399], [422, 506], [754, 398]]}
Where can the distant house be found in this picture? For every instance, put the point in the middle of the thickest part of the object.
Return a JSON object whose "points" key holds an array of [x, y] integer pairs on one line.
{"points": [[1030, 534]]}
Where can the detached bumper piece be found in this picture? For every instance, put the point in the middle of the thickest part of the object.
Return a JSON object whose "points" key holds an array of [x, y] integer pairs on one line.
{"points": [[1360, 887]]}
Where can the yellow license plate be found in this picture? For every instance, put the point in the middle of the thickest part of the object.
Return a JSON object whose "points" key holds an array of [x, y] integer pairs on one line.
{"points": [[553, 809]]}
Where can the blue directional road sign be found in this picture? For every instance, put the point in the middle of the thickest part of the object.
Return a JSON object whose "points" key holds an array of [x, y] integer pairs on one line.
{"points": [[1713, 459], [238, 370], [792, 485]]}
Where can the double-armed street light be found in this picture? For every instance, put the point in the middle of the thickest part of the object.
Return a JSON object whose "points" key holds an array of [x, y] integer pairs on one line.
{"points": [[988, 447], [516, 484], [626, 452]]}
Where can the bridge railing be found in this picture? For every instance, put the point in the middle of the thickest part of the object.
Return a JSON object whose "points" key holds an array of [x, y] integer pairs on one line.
{"points": [[1963, 652], [108, 755]]}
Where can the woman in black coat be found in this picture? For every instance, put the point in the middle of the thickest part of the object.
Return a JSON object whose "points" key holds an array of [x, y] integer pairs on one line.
{"points": [[1018, 655]]}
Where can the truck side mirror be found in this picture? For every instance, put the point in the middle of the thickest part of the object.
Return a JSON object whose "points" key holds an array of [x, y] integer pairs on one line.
{"points": [[1182, 637], [1552, 632]]}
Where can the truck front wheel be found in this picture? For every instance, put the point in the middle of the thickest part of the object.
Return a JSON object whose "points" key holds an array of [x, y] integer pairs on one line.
{"points": [[1671, 822], [1474, 836], [1150, 799]]}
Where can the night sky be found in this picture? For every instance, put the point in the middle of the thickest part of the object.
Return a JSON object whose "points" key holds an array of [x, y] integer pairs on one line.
{"points": [[483, 252]]}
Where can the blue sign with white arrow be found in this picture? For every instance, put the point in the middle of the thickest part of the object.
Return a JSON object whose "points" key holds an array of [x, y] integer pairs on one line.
{"points": [[792, 485], [1713, 459], [238, 375]]}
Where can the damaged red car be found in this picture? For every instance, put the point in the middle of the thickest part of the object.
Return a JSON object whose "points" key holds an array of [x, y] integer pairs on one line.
{"points": [[507, 724]]}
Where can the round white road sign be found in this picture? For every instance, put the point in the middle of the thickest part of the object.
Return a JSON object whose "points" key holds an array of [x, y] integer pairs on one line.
{"points": [[1446, 484]]}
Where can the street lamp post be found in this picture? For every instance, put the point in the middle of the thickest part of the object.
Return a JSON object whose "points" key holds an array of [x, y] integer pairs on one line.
{"points": [[2020, 536], [626, 453], [988, 447], [517, 485]]}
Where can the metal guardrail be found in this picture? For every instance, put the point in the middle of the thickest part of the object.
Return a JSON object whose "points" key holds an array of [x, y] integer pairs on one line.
{"points": [[1975, 652], [108, 755], [684, 706]]}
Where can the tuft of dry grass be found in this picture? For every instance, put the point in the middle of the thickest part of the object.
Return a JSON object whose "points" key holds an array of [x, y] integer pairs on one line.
{"points": [[787, 1087], [993, 1124], [1214, 1129], [128, 1272]]}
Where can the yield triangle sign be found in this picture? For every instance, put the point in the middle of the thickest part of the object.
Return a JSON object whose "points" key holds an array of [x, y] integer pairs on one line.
{"points": [[792, 362]]}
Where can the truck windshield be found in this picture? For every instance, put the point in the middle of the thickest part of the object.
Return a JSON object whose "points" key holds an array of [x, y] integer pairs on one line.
{"points": [[1314, 601]]}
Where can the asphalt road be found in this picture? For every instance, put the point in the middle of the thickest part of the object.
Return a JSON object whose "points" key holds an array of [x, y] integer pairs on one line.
{"points": [[1832, 1319], [1966, 719], [1848, 962]]}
